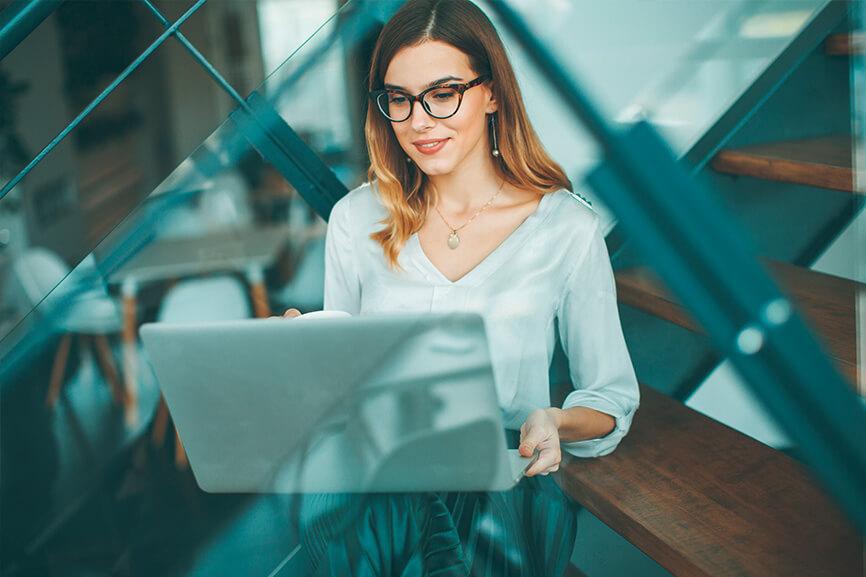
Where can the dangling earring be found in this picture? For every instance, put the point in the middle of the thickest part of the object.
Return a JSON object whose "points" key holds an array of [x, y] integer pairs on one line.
{"points": [[493, 128], [408, 160]]}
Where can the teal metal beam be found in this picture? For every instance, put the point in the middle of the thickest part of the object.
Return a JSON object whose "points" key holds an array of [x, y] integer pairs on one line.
{"points": [[204, 62], [275, 140], [21, 18]]}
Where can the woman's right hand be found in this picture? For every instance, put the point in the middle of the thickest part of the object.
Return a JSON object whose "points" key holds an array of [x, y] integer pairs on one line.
{"points": [[291, 313]]}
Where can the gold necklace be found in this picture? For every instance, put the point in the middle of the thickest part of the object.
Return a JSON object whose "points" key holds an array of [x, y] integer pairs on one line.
{"points": [[453, 239]]}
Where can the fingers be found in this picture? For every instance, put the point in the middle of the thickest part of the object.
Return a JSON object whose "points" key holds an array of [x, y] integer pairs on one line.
{"points": [[292, 313], [530, 439], [547, 462], [540, 434], [524, 450]]}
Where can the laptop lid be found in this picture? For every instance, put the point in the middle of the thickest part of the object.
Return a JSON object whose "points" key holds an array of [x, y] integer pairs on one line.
{"points": [[380, 402]]}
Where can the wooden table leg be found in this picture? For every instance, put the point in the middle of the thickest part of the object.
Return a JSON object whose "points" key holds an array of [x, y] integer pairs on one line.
{"points": [[130, 353], [106, 361], [258, 292], [260, 300], [160, 423], [180, 460], [157, 434], [58, 370]]}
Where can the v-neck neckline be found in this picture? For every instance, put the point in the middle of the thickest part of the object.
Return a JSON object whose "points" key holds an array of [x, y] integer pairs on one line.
{"points": [[495, 257]]}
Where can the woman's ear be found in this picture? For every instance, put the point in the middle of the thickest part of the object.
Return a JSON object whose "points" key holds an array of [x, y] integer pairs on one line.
{"points": [[492, 104]]}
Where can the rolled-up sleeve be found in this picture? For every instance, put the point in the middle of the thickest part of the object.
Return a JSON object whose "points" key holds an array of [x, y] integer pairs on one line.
{"points": [[591, 334], [342, 283]]}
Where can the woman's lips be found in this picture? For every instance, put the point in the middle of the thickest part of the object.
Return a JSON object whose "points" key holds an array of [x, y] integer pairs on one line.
{"points": [[430, 149]]}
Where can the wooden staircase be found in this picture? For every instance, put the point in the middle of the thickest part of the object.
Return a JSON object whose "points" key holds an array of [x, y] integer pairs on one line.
{"points": [[705, 500], [826, 301], [845, 44], [824, 162], [701, 498]]}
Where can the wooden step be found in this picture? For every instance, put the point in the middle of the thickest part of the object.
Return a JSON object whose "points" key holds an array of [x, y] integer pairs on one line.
{"points": [[827, 303], [824, 162], [702, 499], [845, 44]]}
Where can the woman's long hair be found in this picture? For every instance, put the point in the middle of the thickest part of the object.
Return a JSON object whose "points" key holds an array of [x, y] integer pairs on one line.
{"points": [[522, 160]]}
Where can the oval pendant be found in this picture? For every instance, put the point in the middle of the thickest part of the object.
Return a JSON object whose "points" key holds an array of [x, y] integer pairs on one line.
{"points": [[453, 241]]}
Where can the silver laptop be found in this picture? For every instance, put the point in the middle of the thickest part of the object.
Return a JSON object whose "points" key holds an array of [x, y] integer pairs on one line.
{"points": [[373, 403]]}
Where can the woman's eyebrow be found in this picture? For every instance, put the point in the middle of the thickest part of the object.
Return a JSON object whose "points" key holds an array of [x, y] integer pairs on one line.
{"points": [[429, 84]]}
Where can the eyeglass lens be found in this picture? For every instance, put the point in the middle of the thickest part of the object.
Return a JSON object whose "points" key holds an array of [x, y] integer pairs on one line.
{"points": [[440, 102]]}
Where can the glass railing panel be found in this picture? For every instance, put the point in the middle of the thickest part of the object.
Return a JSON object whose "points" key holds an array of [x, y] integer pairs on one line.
{"points": [[726, 83], [85, 430], [81, 48], [80, 190], [109, 163], [133, 139], [83, 401], [228, 235]]}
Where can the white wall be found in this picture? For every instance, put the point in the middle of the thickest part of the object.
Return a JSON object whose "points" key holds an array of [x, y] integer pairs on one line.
{"points": [[317, 104], [846, 257]]}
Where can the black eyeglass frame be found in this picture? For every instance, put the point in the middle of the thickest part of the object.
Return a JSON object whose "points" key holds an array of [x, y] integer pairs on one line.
{"points": [[460, 88]]}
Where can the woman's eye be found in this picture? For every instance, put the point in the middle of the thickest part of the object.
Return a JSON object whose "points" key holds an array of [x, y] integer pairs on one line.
{"points": [[444, 94], [397, 99]]}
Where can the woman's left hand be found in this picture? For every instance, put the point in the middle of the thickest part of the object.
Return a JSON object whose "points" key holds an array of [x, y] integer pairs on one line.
{"points": [[540, 433]]}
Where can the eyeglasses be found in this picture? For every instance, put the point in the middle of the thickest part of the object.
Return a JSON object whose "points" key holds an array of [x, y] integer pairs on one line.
{"points": [[440, 101]]}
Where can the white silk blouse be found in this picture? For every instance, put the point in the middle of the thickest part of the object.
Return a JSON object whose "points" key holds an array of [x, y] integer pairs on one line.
{"points": [[550, 278]]}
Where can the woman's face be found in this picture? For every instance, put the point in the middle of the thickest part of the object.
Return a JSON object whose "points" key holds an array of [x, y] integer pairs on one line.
{"points": [[464, 135]]}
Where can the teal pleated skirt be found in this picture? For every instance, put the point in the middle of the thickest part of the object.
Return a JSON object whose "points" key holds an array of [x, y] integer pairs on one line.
{"points": [[529, 530]]}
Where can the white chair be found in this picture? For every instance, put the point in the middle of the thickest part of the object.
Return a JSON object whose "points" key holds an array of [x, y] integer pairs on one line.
{"points": [[225, 203], [46, 284], [218, 298], [181, 221]]}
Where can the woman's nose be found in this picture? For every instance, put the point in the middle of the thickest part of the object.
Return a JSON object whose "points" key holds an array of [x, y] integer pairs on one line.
{"points": [[421, 121]]}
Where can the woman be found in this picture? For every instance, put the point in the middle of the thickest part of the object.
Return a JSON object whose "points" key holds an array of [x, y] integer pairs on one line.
{"points": [[465, 211]]}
